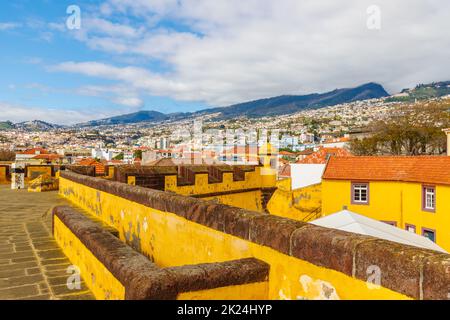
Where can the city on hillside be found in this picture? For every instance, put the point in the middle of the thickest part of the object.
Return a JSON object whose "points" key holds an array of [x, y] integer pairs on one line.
{"points": [[161, 150]]}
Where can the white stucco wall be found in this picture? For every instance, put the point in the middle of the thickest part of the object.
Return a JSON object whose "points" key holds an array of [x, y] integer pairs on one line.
{"points": [[304, 175]]}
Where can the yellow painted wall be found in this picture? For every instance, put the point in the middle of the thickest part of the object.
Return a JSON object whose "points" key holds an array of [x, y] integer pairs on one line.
{"points": [[394, 201], [110, 172], [171, 240], [253, 179], [97, 277], [34, 172], [105, 286], [251, 291], [247, 200], [131, 180], [302, 204], [3, 178]]}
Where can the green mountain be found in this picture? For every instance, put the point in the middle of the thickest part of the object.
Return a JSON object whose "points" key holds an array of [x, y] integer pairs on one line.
{"points": [[141, 116], [36, 125], [423, 91], [280, 105], [6, 125], [291, 103]]}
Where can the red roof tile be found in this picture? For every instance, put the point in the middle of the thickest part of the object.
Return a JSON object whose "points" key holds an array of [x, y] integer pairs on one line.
{"points": [[34, 151], [50, 156], [286, 153], [285, 171], [423, 169], [99, 167], [322, 155]]}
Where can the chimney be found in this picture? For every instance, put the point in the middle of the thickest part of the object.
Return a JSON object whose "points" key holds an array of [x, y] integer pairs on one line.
{"points": [[447, 132]]}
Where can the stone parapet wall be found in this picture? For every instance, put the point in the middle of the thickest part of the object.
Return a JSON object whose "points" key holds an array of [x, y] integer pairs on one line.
{"points": [[306, 261], [133, 276]]}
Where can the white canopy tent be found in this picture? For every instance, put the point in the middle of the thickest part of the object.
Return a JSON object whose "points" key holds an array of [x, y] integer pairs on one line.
{"points": [[352, 222]]}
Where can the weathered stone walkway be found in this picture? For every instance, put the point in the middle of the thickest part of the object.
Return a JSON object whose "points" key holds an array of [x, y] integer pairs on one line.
{"points": [[31, 264]]}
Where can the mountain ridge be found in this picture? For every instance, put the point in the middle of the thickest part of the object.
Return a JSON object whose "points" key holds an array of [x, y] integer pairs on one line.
{"points": [[136, 117], [272, 106], [288, 104], [33, 125], [279, 105]]}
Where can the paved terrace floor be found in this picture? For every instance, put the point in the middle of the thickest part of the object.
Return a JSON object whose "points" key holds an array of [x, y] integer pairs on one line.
{"points": [[31, 264]]}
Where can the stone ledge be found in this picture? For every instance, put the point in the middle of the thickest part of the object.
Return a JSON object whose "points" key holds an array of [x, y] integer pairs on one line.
{"points": [[142, 279], [84, 170], [405, 269]]}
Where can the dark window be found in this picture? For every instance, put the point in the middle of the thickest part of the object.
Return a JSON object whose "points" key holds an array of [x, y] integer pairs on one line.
{"points": [[430, 234]]}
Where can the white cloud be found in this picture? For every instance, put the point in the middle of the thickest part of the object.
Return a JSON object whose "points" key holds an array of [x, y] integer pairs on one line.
{"points": [[228, 51], [105, 27], [8, 26], [129, 101], [19, 113], [121, 95]]}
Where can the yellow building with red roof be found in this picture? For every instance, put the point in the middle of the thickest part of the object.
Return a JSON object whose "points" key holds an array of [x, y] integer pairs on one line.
{"points": [[412, 193]]}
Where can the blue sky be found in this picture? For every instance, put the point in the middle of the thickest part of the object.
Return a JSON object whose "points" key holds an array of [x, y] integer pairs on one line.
{"points": [[34, 38], [184, 55]]}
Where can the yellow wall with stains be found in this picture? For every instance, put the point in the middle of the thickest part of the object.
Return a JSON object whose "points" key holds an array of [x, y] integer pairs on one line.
{"points": [[250, 200], [34, 172], [250, 291], [97, 277], [170, 240], [303, 204], [242, 194], [105, 286], [393, 201], [253, 179], [3, 178]]}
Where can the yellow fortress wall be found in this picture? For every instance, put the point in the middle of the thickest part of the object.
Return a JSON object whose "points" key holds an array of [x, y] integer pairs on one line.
{"points": [[305, 261], [114, 271], [303, 204], [4, 174], [102, 283], [34, 171], [243, 186]]}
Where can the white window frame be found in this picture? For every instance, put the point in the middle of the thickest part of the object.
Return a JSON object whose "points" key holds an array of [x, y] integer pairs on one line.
{"points": [[429, 198], [357, 189]]}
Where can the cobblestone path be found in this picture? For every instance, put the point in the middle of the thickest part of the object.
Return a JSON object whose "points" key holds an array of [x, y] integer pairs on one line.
{"points": [[31, 264]]}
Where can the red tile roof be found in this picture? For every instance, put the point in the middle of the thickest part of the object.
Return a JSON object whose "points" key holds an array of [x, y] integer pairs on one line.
{"points": [[99, 167], [34, 151], [242, 150], [49, 156], [306, 152], [423, 169], [285, 171], [162, 162], [322, 155], [286, 153]]}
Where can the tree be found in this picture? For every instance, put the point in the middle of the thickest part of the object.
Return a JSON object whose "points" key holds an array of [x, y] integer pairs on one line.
{"points": [[412, 130], [138, 154], [119, 156]]}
